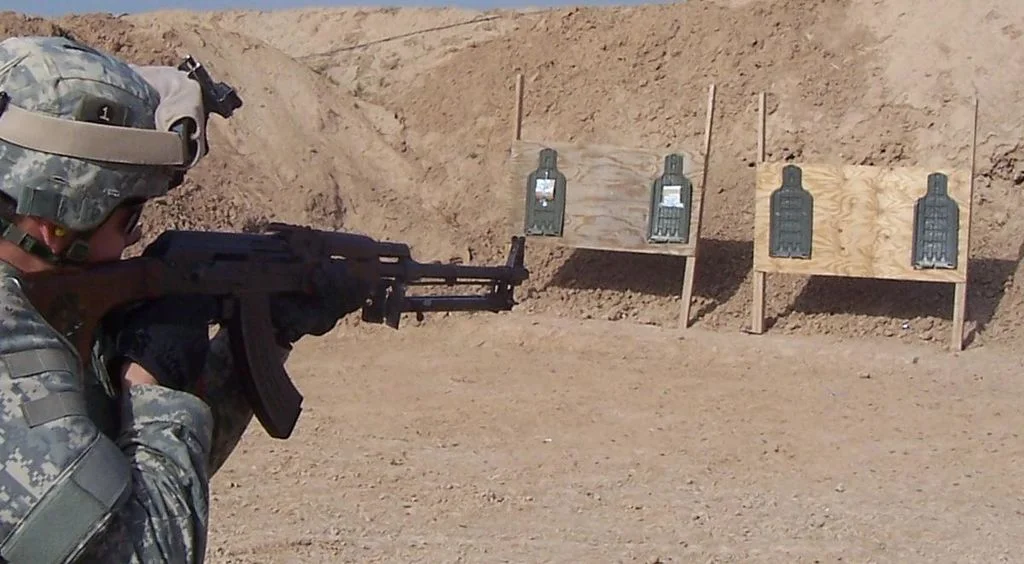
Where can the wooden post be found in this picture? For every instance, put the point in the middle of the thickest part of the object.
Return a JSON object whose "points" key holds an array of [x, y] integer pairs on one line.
{"points": [[519, 107], [758, 282], [761, 117], [960, 295], [691, 261], [959, 311]]}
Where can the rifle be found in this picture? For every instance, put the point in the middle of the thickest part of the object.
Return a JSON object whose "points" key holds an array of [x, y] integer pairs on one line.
{"points": [[245, 269]]}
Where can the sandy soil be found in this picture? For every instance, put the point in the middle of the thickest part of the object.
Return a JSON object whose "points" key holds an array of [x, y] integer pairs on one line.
{"points": [[585, 426], [551, 440]]}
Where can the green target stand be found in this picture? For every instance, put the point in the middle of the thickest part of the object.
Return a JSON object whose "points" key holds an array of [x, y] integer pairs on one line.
{"points": [[861, 221], [610, 198]]}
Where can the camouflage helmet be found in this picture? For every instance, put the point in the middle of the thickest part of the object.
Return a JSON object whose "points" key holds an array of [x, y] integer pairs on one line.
{"points": [[81, 131]]}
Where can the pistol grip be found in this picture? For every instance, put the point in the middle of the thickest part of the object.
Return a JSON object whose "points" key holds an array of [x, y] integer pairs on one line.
{"points": [[274, 399]]}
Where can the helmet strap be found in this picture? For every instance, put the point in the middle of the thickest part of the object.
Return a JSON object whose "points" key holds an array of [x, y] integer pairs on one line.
{"points": [[78, 251]]}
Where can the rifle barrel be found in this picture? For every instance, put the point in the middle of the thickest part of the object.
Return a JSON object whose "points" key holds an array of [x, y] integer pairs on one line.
{"points": [[453, 273]]}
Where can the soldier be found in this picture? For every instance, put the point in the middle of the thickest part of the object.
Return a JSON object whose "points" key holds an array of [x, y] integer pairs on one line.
{"points": [[111, 464]]}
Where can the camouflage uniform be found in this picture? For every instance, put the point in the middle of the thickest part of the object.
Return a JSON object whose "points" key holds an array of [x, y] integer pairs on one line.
{"points": [[88, 471]]}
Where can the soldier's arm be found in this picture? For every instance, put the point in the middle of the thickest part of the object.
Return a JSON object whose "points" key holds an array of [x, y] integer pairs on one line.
{"points": [[140, 494], [165, 437], [142, 497]]}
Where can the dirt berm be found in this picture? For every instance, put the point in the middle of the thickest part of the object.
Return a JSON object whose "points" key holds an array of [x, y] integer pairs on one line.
{"points": [[397, 123]]}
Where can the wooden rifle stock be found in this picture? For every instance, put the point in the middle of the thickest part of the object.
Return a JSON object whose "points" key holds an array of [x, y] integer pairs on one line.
{"points": [[244, 271]]}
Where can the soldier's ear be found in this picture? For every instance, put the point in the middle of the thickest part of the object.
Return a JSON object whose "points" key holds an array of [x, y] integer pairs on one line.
{"points": [[53, 235]]}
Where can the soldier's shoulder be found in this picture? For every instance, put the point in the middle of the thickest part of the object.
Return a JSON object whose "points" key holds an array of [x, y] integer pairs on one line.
{"points": [[22, 326], [50, 446]]}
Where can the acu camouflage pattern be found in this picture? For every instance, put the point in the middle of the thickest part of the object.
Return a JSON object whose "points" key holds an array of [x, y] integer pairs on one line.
{"points": [[219, 386], [157, 446], [169, 442], [57, 76], [164, 438]]}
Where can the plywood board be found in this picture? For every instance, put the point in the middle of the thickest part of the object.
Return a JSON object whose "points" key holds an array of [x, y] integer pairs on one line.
{"points": [[863, 221], [608, 190]]}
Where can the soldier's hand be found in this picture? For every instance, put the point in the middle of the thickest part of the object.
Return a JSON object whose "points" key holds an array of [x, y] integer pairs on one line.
{"points": [[336, 294], [167, 337], [134, 375]]}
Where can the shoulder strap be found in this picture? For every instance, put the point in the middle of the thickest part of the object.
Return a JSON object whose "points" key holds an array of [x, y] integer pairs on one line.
{"points": [[82, 499], [73, 509]]}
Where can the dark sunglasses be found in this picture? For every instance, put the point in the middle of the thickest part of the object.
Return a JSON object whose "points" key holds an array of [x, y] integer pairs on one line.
{"points": [[133, 219]]}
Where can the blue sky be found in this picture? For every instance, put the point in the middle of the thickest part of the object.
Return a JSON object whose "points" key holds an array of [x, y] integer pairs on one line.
{"points": [[60, 7]]}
